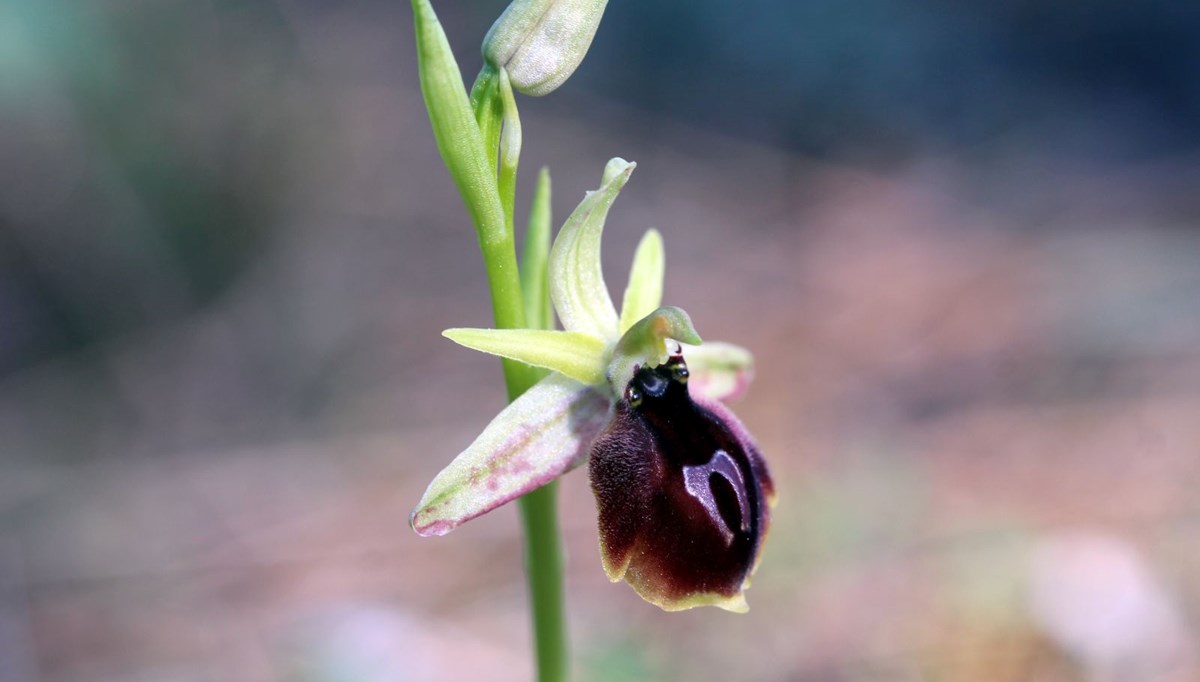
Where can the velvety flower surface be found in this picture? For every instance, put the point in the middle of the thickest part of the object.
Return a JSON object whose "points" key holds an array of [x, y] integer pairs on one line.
{"points": [[682, 491]]}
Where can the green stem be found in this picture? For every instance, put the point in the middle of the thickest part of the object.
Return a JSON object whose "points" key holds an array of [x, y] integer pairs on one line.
{"points": [[543, 549], [468, 133], [508, 308], [543, 556], [491, 98], [544, 572]]}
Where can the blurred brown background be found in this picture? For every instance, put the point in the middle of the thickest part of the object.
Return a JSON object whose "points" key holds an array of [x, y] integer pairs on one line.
{"points": [[961, 241]]}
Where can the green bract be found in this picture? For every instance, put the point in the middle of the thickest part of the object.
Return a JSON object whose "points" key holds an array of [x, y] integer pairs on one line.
{"points": [[454, 126]]}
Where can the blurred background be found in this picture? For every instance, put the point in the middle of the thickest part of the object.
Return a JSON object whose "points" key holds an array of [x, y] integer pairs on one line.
{"points": [[961, 239]]}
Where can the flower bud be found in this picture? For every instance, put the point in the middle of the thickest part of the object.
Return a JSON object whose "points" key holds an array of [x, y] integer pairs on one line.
{"points": [[541, 42]]}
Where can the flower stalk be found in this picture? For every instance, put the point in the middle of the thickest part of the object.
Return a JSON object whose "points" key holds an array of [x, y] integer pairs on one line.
{"points": [[470, 139]]}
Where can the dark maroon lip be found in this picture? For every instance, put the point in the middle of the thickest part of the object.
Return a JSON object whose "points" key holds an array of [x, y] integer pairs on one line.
{"points": [[681, 491]]}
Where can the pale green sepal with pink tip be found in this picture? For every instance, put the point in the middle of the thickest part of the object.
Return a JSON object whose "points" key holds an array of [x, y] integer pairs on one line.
{"points": [[576, 281], [537, 438]]}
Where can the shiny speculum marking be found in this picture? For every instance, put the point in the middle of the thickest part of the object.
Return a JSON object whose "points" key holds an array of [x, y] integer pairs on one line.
{"points": [[700, 481], [712, 465]]}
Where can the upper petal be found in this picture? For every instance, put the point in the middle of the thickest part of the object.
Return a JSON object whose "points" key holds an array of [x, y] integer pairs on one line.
{"points": [[577, 286], [645, 289], [537, 438]]}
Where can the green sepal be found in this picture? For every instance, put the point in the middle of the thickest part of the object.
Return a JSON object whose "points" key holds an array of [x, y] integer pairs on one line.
{"points": [[455, 129], [645, 289], [645, 344], [577, 355], [577, 286]]}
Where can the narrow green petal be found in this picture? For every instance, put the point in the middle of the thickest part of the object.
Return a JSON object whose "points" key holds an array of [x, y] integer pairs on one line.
{"points": [[576, 280], [645, 344], [537, 438], [534, 282], [579, 356], [718, 370], [454, 126], [644, 292]]}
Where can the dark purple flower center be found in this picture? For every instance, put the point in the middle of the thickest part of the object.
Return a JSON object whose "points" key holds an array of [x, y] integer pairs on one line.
{"points": [[680, 489]]}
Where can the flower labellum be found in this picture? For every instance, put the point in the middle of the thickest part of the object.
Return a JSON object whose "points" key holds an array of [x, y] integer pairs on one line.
{"points": [[682, 492], [541, 42]]}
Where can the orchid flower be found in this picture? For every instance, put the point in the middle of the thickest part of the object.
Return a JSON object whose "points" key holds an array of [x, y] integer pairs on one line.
{"points": [[682, 491]]}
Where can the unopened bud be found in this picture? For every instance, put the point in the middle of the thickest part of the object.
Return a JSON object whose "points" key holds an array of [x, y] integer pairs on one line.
{"points": [[541, 42]]}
